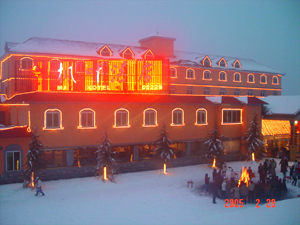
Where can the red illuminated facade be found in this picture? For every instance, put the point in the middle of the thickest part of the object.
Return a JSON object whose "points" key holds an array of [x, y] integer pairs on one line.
{"points": [[70, 92]]}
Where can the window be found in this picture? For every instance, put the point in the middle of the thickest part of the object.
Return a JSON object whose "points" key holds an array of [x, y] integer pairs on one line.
{"points": [[251, 93], [53, 119], [236, 92], [250, 78], [26, 63], [150, 118], [190, 74], [237, 64], [201, 117], [105, 51], [263, 79], [222, 63], [206, 61], [222, 91], [206, 75], [128, 54], [231, 116], [122, 118], [13, 162], [222, 76], [263, 93], [177, 117], [79, 67], [237, 77], [86, 118], [173, 73], [54, 65], [173, 90], [206, 91], [190, 91], [275, 93], [275, 80]]}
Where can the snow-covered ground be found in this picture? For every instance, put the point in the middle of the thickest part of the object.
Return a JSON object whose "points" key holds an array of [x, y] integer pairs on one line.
{"points": [[138, 198]]}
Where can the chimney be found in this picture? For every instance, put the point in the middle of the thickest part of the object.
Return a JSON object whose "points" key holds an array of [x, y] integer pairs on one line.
{"points": [[159, 45]]}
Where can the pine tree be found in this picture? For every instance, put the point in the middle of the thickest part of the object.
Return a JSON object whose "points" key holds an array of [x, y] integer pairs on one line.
{"points": [[163, 145], [254, 141], [106, 158], [214, 147], [34, 163]]}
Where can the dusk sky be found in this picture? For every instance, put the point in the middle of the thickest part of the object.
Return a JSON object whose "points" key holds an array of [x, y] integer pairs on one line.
{"points": [[265, 31]]}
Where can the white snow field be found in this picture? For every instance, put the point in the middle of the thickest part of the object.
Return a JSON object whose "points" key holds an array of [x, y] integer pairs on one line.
{"points": [[138, 198]]}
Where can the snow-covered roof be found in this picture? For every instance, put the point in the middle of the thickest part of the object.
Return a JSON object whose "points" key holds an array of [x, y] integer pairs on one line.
{"points": [[283, 104], [182, 58], [36, 45]]}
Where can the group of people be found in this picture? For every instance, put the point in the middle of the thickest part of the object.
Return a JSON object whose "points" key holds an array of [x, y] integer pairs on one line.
{"points": [[269, 185]]}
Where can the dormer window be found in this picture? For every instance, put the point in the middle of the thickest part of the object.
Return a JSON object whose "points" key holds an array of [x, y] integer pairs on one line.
{"points": [[149, 55], [237, 64], [128, 54], [222, 63], [105, 51], [206, 61]]}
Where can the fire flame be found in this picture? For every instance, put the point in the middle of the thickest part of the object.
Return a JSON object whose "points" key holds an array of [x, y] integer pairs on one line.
{"points": [[104, 173], [244, 177], [214, 163], [32, 179], [165, 169], [253, 157]]}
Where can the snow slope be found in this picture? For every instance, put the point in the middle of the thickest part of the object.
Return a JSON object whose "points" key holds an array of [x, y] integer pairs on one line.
{"points": [[138, 198]]}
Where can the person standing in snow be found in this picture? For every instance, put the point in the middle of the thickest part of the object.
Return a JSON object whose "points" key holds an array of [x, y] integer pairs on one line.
{"points": [[232, 178], [224, 189], [39, 187], [244, 190], [251, 192], [236, 192], [214, 174], [214, 191]]}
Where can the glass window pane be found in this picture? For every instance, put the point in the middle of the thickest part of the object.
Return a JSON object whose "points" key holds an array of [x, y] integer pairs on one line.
{"points": [[56, 119], [48, 119], [89, 119], [16, 160], [9, 161]]}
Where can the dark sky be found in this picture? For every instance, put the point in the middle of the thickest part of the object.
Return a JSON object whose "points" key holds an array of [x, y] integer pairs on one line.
{"points": [[265, 31]]}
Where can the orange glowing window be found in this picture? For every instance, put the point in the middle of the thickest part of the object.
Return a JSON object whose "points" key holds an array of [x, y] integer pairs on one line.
{"points": [[222, 76], [206, 61], [86, 119], [201, 117], [222, 62], [150, 118], [190, 73], [173, 72], [122, 118], [231, 116], [206, 75], [275, 80], [237, 64], [105, 51], [128, 54], [237, 77], [250, 78], [53, 119], [177, 117], [149, 55], [26, 63], [263, 79]]}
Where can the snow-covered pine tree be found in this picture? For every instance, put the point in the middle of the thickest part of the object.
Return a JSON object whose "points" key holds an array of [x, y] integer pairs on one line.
{"points": [[254, 141], [34, 163], [214, 147], [106, 158], [163, 149]]}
